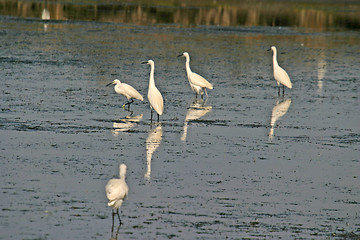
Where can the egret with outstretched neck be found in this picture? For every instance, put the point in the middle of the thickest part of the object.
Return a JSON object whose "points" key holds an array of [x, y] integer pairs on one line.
{"points": [[154, 95], [197, 83], [280, 74], [116, 190], [128, 91]]}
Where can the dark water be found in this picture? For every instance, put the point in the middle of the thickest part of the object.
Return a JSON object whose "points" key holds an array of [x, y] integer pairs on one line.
{"points": [[214, 169]]}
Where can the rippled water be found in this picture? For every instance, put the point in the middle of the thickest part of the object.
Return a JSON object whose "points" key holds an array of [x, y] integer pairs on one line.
{"points": [[245, 163]]}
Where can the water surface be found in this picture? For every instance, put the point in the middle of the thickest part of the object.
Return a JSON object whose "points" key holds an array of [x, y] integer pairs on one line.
{"points": [[243, 163]]}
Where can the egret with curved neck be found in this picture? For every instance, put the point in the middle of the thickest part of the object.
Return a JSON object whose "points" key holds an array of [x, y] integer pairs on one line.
{"points": [[280, 74], [126, 90], [197, 83]]}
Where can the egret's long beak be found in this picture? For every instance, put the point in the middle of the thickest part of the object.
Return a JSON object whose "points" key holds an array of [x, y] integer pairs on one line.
{"points": [[181, 55], [144, 63], [108, 84], [269, 49]]}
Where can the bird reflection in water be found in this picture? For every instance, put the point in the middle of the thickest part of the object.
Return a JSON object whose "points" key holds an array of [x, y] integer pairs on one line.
{"points": [[126, 123], [152, 143], [196, 110], [45, 15], [321, 71], [279, 110]]}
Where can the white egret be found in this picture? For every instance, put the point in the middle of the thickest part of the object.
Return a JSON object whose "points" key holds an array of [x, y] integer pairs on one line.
{"points": [[128, 91], [116, 191], [197, 83], [154, 95], [280, 74]]}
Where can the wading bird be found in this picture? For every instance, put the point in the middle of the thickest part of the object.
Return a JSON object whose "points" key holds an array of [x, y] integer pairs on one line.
{"points": [[197, 83], [279, 74], [128, 91], [154, 95], [116, 191]]}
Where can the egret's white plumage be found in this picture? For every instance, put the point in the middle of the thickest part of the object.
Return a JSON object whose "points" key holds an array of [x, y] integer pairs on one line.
{"points": [[280, 74], [128, 91], [197, 83], [154, 95], [116, 190]]}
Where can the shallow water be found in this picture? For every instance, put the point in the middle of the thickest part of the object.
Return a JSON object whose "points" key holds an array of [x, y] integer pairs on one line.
{"points": [[210, 169]]}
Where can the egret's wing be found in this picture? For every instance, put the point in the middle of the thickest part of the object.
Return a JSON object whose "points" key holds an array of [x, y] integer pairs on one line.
{"points": [[198, 80], [156, 100], [132, 92], [116, 189], [282, 77]]}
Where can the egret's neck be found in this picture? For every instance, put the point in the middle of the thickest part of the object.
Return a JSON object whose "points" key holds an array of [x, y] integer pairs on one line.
{"points": [[187, 65], [151, 81], [275, 63], [122, 174]]}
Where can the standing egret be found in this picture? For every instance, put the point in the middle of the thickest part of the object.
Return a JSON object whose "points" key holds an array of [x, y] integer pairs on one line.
{"points": [[116, 191], [128, 91], [154, 95], [197, 83], [279, 74]]}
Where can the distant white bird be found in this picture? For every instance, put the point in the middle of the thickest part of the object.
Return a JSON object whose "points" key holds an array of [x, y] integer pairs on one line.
{"points": [[197, 83], [279, 74], [45, 14], [154, 95], [116, 191], [128, 91]]}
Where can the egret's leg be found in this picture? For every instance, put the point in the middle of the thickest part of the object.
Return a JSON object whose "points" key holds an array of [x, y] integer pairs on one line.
{"points": [[158, 117], [114, 235], [128, 104], [205, 92], [113, 215], [283, 89], [151, 115], [117, 212], [278, 88]]}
